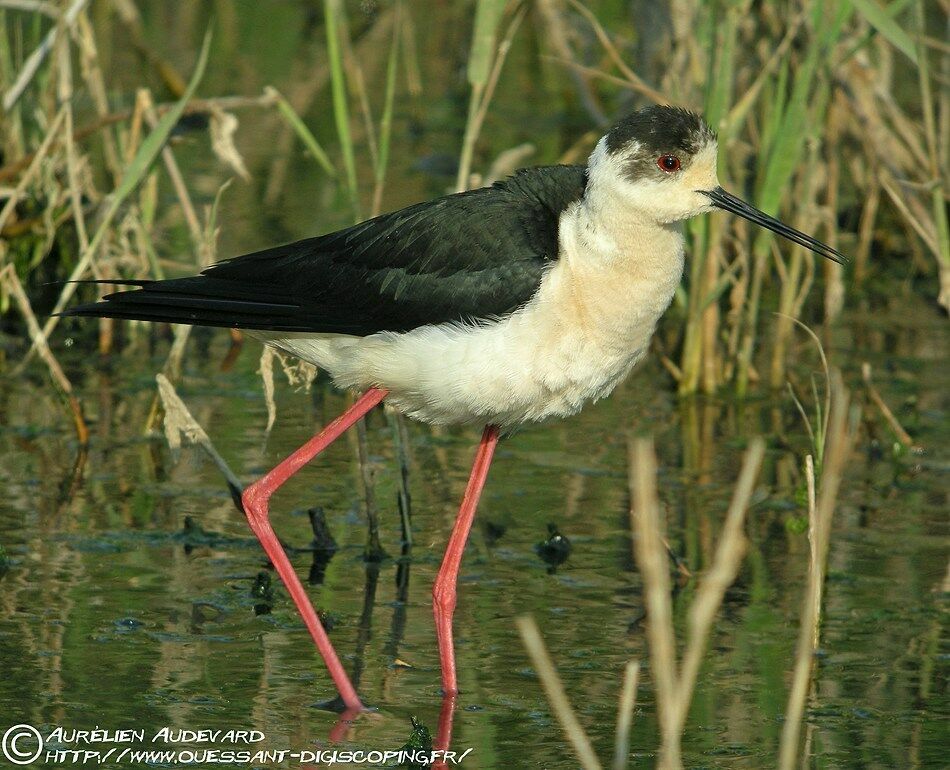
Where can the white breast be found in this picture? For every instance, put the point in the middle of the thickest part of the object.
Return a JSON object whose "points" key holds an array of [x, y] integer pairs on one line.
{"points": [[589, 323]]}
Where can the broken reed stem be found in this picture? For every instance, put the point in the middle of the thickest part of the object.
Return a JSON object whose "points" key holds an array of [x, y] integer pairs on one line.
{"points": [[554, 689], [651, 557], [840, 439], [628, 703], [266, 370], [179, 423]]}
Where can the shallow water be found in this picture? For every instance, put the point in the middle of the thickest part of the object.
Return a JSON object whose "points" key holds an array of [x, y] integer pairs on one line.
{"points": [[111, 618]]}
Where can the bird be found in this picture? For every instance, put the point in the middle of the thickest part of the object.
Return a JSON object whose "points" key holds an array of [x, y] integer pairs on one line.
{"points": [[497, 306]]}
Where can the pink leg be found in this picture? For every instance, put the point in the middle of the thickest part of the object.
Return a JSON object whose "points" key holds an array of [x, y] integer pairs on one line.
{"points": [[444, 592], [443, 736], [255, 500]]}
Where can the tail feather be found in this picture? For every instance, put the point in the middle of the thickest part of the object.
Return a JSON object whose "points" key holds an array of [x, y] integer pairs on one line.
{"points": [[200, 300]]}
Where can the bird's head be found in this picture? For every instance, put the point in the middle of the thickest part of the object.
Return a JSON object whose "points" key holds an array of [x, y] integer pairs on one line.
{"points": [[661, 162]]}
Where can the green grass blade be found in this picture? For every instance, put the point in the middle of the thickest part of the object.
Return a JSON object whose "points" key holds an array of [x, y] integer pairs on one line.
{"points": [[884, 23], [303, 133], [386, 122], [155, 141], [341, 111]]}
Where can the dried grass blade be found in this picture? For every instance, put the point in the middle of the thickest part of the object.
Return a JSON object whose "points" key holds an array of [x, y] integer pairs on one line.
{"points": [[134, 173], [554, 689]]}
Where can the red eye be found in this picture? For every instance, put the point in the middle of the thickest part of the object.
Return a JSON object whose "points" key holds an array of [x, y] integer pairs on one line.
{"points": [[668, 163]]}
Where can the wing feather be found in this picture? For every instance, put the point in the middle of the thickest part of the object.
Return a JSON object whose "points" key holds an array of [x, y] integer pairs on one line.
{"points": [[478, 254]]}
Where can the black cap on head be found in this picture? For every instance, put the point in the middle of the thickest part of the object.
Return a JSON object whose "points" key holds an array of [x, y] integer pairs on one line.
{"points": [[661, 128]]}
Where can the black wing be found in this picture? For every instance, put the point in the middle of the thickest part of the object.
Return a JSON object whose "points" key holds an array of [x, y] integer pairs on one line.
{"points": [[476, 254]]}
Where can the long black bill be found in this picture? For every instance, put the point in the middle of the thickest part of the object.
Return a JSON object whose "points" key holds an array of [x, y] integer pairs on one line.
{"points": [[729, 202]]}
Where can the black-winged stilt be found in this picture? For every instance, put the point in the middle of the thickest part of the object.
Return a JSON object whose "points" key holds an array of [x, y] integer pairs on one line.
{"points": [[501, 305]]}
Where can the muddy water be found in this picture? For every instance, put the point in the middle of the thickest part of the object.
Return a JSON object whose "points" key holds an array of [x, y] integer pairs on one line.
{"points": [[113, 617]]}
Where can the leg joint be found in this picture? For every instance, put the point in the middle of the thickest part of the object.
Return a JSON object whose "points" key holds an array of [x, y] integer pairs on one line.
{"points": [[444, 597], [254, 499]]}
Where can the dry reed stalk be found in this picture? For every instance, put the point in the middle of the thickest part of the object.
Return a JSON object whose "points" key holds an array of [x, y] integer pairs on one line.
{"points": [[633, 81], [652, 560], [869, 212], [625, 709], [834, 298], [179, 423], [35, 60], [675, 688], [64, 96], [794, 284], [33, 168], [266, 370], [554, 689], [814, 567], [839, 440], [8, 277], [902, 435], [485, 65], [558, 39], [133, 174], [193, 107], [32, 6], [725, 567], [936, 151], [174, 174], [95, 82]]}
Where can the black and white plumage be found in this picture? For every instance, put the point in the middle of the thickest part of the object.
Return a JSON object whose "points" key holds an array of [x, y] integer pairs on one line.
{"points": [[515, 302], [393, 273]]}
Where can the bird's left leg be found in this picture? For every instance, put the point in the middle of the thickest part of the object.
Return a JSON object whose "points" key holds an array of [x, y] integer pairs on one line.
{"points": [[444, 590], [255, 502]]}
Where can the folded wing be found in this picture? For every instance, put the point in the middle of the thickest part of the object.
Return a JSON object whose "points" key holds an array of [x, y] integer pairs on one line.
{"points": [[474, 255]]}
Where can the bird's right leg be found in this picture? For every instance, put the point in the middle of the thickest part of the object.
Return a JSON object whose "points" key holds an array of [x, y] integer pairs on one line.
{"points": [[255, 500]]}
